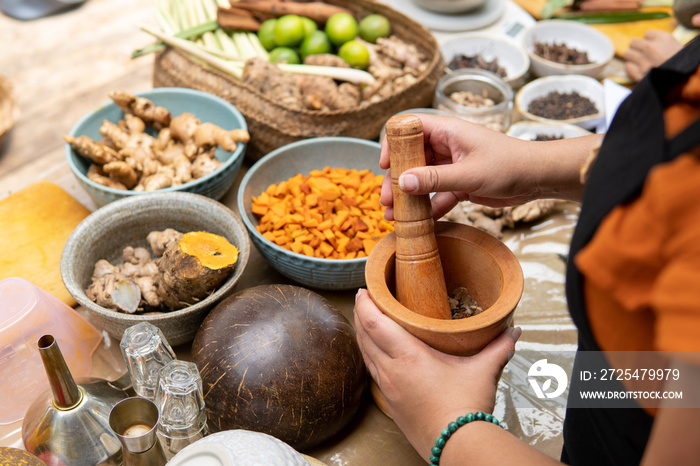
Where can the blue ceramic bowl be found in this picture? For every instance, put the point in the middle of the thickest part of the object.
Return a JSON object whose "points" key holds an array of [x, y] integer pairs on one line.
{"points": [[282, 164], [206, 107]]}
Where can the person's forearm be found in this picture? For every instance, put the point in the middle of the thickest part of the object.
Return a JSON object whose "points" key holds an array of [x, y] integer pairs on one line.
{"points": [[558, 166], [481, 443]]}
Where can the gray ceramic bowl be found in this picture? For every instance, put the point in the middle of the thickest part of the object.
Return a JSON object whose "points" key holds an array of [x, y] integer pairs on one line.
{"points": [[206, 107], [127, 222], [282, 164]]}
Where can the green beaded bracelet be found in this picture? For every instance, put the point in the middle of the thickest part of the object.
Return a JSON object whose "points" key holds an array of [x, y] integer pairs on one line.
{"points": [[452, 427]]}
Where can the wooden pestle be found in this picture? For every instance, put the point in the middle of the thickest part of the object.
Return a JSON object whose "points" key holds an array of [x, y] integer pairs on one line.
{"points": [[420, 282]]}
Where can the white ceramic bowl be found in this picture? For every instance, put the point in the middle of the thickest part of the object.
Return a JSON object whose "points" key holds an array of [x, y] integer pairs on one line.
{"points": [[511, 56], [107, 231], [449, 6], [575, 35], [529, 130], [584, 85]]}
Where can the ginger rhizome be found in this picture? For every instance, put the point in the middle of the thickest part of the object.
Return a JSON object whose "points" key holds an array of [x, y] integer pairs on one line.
{"points": [[183, 270], [129, 158], [394, 63]]}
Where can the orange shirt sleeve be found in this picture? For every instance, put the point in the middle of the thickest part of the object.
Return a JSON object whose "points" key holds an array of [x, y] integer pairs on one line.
{"points": [[645, 257]]}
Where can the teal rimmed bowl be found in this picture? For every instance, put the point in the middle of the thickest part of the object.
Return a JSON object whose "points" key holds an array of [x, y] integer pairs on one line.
{"points": [[206, 107], [282, 164]]}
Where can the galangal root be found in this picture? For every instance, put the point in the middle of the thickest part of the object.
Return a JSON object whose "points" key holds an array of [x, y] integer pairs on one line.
{"points": [[186, 269], [129, 158], [395, 64]]}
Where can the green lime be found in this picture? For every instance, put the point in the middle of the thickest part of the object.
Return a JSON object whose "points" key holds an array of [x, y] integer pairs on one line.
{"points": [[266, 34], [314, 44], [289, 31], [373, 27], [309, 26], [341, 28], [355, 54], [284, 55]]}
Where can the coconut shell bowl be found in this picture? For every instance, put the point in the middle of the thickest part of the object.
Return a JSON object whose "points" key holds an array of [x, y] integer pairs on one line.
{"points": [[411, 271]]}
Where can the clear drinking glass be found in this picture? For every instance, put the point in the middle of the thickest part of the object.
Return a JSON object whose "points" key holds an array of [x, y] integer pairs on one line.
{"points": [[180, 401], [145, 352]]}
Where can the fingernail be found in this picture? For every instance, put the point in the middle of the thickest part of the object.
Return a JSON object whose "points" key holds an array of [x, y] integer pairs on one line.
{"points": [[408, 182], [515, 335], [357, 295]]}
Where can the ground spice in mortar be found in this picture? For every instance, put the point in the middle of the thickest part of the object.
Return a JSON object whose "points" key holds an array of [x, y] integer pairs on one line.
{"points": [[562, 106], [561, 53], [547, 137], [476, 61], [462, 304]]}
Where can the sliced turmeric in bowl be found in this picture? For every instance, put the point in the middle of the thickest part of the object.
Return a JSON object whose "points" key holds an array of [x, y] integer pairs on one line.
{"points": [[332, 213]]}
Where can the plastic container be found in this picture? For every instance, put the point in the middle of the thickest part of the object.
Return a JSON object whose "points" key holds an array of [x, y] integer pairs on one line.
{"points": [[480, 83], [27, 313]]}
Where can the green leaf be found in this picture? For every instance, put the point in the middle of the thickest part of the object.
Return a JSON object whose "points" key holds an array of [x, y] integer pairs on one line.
{"points": [[553, 5], [614, 17]]}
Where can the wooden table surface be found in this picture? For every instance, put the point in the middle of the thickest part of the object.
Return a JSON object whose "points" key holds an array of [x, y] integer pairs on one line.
{"points": [[63, 66]]}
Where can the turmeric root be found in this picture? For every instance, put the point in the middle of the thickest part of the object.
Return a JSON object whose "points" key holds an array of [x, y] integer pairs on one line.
{"points": [[186, 269], [193, 267]]}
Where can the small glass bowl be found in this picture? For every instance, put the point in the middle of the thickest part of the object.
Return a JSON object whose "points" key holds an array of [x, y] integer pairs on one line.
{"points": [[479, 82]]}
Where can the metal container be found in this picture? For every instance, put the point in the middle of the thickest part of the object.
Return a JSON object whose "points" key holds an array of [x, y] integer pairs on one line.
{"points": [[69, 424], [135, 421]]}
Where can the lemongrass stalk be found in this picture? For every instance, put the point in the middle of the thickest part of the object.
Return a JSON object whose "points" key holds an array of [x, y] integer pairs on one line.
{"points": [[258, 46], [232, 68], [186, 34], [244, 47], [211, 41], [166, 24], [342, 74], [179, 11], [235, 68], [227, 44], [200, 12], [209, 8], [165, 18], [217, 52], [190, 13]]}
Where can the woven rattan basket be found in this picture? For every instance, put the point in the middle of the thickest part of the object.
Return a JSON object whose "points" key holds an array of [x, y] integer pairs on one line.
{"points": [[272, 125], [8, 107]]}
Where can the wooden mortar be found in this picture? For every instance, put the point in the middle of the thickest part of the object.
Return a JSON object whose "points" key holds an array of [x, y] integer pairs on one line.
{"points": [[470, 258]]}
